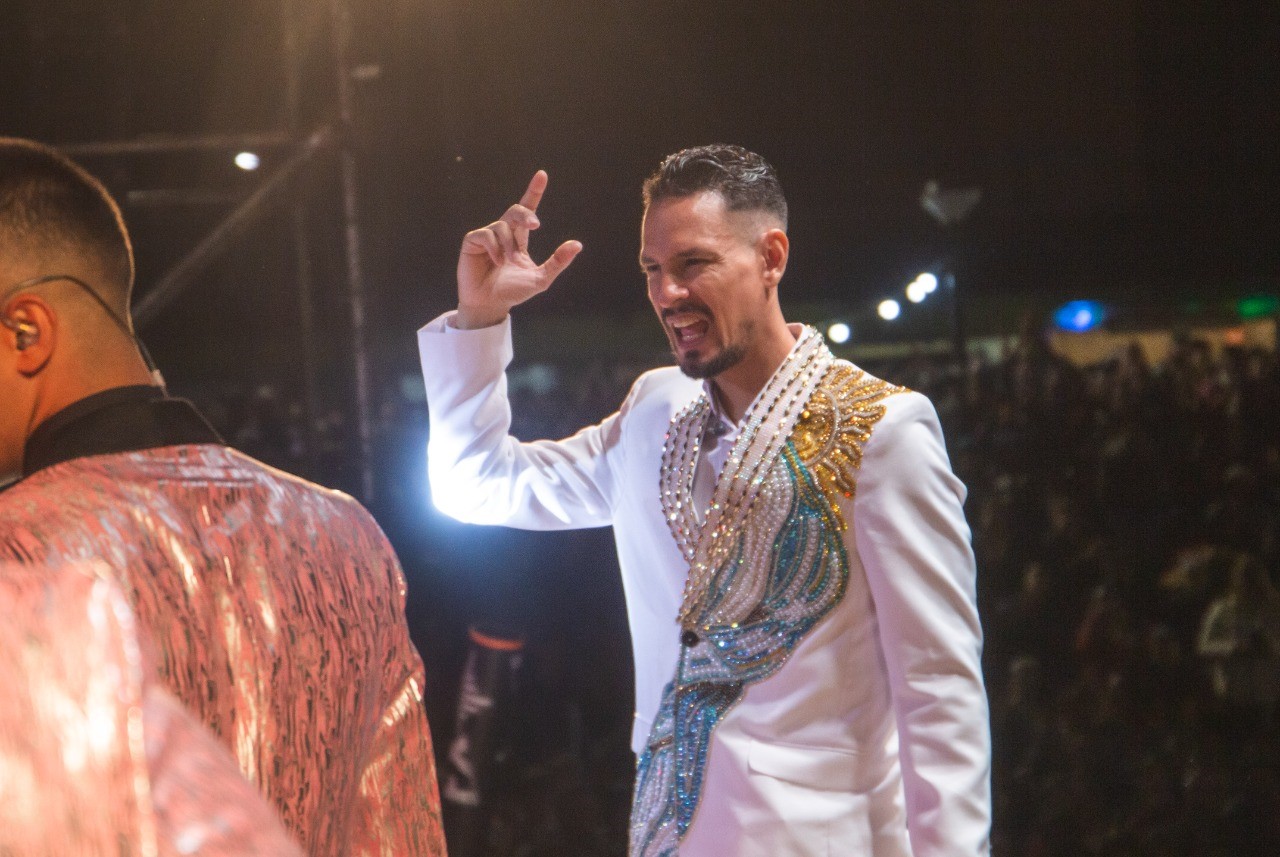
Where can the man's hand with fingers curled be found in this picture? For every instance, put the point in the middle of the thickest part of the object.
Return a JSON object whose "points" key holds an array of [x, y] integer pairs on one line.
{"points": [[495, 271]]}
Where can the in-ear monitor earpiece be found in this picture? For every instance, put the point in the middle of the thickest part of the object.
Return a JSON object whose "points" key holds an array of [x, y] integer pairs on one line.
{"points": [[27, 334]]}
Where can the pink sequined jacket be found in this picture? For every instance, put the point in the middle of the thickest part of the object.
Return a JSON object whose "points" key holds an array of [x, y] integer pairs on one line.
{"points": [[276, 608], [95, 759]]}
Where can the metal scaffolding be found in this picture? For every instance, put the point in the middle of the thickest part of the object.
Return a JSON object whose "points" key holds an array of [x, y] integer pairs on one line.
{"points": [[304, 152]]}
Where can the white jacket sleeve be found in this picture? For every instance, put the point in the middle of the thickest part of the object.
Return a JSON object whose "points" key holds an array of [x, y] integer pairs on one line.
{"points": [[913, 540], [479, 473]]}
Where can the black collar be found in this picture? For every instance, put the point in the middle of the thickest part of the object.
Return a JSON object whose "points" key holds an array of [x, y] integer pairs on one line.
{"points": [[123, 419]]}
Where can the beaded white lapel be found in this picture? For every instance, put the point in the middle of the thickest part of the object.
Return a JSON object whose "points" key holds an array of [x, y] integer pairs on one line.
{"points": [[767, 427], [766, 562]]}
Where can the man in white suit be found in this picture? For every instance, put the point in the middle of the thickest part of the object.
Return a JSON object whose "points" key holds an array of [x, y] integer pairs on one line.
{"points": [[799, 580]]}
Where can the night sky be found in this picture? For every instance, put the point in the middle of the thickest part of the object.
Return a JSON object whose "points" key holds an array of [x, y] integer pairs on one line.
{"points": [[1124, 149]]}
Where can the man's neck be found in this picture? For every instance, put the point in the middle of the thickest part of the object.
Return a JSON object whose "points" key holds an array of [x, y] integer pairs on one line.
{"points": [[81, 385], [123, 419], [737, 388]]}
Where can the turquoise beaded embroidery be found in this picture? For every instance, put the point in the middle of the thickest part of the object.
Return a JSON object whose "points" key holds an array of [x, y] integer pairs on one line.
{"points": [[809, 576]]}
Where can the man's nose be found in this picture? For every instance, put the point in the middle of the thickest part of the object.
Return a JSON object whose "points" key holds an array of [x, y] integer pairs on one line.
{"points": [[667, 290]]}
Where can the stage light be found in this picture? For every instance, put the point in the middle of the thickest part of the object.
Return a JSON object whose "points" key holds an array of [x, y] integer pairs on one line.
{"points": [[248, 161], [1079, 316], [928, 282], [889, 310], [839, 333], [1258, 306], [916, 291]]}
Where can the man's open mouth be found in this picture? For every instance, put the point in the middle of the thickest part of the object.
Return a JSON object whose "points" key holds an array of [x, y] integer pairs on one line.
{"points": [[689, 329]]}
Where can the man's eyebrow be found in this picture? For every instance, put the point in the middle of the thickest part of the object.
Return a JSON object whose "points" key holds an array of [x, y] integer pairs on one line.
{"points": [[683, 254]]}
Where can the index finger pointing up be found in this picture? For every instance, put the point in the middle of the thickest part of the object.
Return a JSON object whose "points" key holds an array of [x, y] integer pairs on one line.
{"points": [[533, 193]]}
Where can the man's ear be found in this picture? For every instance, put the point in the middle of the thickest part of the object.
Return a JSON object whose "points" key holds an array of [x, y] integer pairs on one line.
{"points": [[31, 330], [775, 248]]}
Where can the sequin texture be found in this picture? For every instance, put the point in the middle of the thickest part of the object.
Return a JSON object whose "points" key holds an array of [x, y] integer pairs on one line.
{"points": [[836, 423], [778, 570], [276, 612], [95, 760]]}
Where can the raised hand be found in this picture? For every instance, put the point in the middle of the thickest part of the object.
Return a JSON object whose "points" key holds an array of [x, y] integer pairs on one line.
{"points": [[495, 271]]}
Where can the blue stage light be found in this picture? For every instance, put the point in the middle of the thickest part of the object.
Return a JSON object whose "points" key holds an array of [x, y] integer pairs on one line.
{"points": [[1079, 316]]}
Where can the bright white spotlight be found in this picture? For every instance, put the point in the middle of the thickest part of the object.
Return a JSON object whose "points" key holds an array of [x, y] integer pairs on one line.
{"points": [[916, 291], [839, 333], [889, 310], [928, 282], [248, 161]]}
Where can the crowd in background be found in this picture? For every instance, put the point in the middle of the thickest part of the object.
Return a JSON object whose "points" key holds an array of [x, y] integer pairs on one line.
{"points": [[1126, 521]]}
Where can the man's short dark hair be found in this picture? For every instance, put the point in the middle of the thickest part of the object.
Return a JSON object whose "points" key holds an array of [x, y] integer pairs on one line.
{"points": [[49, 205], [743, 179]]}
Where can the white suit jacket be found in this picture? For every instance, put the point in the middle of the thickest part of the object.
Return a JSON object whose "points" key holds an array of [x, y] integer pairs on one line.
{"points": [[873, 737]]}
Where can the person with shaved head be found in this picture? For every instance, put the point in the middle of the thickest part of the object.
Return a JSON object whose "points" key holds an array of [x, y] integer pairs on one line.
{"points": [[275, 606]]}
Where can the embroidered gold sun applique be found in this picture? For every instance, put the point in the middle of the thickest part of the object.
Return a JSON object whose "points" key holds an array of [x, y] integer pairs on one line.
{"points": [[835, 426]]}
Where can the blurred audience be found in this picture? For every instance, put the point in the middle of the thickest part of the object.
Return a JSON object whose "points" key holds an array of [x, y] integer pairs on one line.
{"points": [[1127, 524]]}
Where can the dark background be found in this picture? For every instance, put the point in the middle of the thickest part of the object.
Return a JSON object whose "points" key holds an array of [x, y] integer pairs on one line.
{"points": [[1125, 150]]}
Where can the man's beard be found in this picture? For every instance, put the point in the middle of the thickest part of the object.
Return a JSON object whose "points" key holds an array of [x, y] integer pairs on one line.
{"points": [[729, 356]]}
